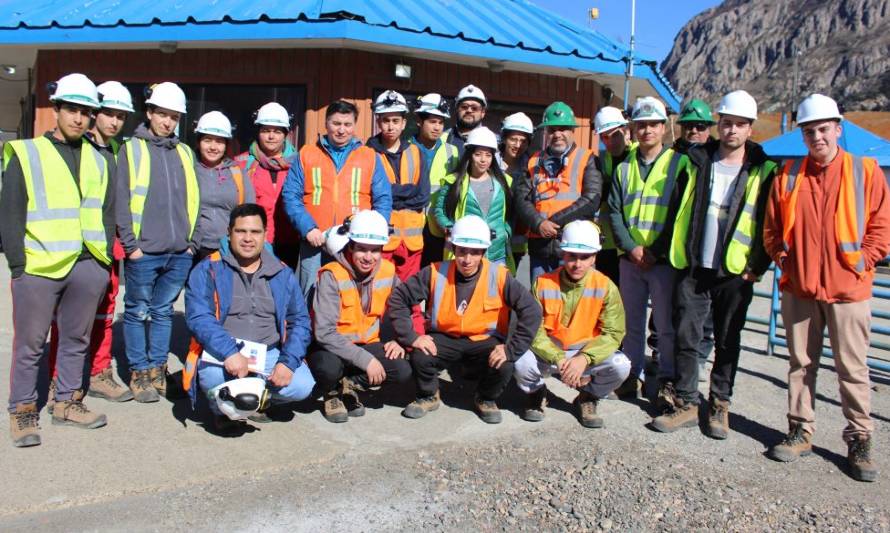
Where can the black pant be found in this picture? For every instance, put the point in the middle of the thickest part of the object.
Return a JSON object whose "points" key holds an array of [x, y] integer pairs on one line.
{"points": [[328, 368], [698, 292], [432, 248], [607, 263], [450, 350]]}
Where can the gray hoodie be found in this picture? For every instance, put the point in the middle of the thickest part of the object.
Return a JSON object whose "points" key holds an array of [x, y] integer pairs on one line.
{"points": [[219, 195], [251, 314]]}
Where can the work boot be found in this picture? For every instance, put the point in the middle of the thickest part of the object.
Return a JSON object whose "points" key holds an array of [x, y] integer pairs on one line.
{"points": [[534, 405], [718, 418], [798, 443], [586, 404], [73, 412], [630, 389], [859, 459], [349, 393], [683, 415], [487, 410], [103, 385], [24, 427], [51, 397], [333, 408], [666, 397], [140, 384], [158, 377], [421, 406]]}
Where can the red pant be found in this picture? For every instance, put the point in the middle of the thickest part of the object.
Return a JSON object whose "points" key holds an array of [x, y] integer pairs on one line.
{"points": [[407, 264]]}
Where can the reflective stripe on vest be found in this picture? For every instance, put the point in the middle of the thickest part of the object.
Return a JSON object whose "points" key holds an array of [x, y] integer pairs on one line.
{"points": [[443, 163], [646, 202], [63, 215], [583, 326], [485, 315], [331, 196], [552, 195], [407, 225], [352, 321]]}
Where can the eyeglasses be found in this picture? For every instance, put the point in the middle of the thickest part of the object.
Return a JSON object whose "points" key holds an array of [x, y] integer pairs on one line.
{"points": [[698, 126], [473, 108]]}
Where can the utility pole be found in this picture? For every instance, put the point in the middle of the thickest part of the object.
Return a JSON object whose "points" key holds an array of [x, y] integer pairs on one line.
{"points": [[629, 70], [795, 83]]}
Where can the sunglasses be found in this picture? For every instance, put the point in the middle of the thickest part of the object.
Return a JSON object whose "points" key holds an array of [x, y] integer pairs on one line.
{"points": [[699, 126]]}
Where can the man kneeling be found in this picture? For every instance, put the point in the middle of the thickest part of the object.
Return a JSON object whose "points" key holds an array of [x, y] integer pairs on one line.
{"points": [[582, 329], [247, 294]]}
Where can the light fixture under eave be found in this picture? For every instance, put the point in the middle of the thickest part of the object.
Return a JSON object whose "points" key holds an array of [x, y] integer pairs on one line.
{"points": [[403, 71], [168, 47], [9, 69]]}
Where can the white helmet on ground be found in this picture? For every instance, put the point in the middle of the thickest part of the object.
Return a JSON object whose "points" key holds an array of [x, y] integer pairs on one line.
{"points": [[240, 398], [75, 89], [648, 109], [482, 136], [608, 118], [471, 91], [335, 238], [369, 227], [433, 104], [471, 232], [167, 95], [214, 123], [272, 114], [738, 104], [817, 107], [113, 95], [581, 237], [390, 102], [518, 122]]}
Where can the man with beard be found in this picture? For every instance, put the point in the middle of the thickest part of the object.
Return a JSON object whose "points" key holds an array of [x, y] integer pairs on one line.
{"points": [[471, 104]]}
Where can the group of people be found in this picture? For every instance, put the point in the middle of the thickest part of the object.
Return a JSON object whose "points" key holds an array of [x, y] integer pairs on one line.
{"points": [[341, 266]]}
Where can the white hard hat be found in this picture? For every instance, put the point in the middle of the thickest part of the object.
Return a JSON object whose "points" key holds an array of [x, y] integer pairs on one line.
{"points": [[648, 109], [272, 114], [471, 232], [75, 89], [240, 398], [335, 238], [369, 227], [214, 123], [167, 95], [818, 107], [482, 136], [739, 104], [580, 236], [518, 122], [113, 95], [390, 102], [433, 104], [608, 118], [471, 91]]}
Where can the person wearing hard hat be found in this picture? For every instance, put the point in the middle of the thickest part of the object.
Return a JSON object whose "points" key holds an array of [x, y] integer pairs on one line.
{"points": [[827, 226], [645, 196], [516, 135], [564, 185], [57, 229], [610, 125], [266, 163], [469, 303], [351, 350], [717, 248], [332, 178], [471, 105], [695, 123], [221, 181], [244, 307], [582, 329], [157, 203]]}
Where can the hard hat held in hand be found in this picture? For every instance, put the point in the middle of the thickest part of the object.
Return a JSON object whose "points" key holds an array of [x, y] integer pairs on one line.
{"points": [[167, 95], [483, 137], [558, 114], [75, 89], [369, 227], [113, 95], [390, 102], [471, 92], [581, 237], [697, 110], [214, 123], [471, 232], [739, 104], [648, 109], [240, 398], [817, 107], [433, 104], [608, 118], [335, 238], [518, 122], [272, 114]]}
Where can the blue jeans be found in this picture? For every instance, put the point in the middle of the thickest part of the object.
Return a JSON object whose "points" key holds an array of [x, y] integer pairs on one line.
{"points": [[153, 283], [300, 387], [542, 265], [311, 259]]}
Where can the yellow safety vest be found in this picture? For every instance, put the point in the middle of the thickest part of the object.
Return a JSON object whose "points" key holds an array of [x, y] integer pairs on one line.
{"points": [[61, 219], [646, 202], [443, 163]]}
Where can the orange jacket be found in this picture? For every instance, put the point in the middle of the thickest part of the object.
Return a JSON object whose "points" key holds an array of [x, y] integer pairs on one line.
{"points": [[554, 195], [584, 324], [331, 196], [353, 323], [486, 313]]}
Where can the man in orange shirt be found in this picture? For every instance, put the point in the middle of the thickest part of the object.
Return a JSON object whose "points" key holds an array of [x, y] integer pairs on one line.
{"points": [[827, 225]]}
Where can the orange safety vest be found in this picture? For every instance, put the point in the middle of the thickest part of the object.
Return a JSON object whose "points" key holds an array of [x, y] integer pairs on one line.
{"points": [[238, 178], [485, 315], [407, 225], [352, 322], [583, 327], [853, 205], [555, 194], [330, 196]]}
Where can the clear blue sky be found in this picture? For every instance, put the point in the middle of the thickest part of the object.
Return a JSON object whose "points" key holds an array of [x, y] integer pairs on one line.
{"points": [[657, 21]]}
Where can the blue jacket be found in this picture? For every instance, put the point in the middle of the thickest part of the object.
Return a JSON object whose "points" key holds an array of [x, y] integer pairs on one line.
{"points": [[292, 193]]}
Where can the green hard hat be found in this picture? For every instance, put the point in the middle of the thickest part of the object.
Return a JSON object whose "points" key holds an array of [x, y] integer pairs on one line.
{"points": [[558, 114], [696, 111]]}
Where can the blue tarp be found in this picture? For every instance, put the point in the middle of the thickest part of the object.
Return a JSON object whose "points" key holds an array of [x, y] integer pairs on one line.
{"points": [[854, 139]]}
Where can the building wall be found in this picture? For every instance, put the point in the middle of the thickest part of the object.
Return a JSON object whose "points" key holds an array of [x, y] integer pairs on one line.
{"points": [[328, 74]]}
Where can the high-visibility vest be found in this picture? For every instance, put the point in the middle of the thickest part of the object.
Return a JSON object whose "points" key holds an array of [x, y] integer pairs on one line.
{"points": [[443, 163], [486, 314], [554, 194], [602, 217], [583, 326], [736, 253], [407, 224], [238, 179], [853, 205], [352, 321], [331, 196], [63, 215], [139, 162], [646, 202]]}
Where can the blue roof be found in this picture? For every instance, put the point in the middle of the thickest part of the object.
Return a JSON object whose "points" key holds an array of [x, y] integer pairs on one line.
{"points": [[506, 30], [854, 139]]}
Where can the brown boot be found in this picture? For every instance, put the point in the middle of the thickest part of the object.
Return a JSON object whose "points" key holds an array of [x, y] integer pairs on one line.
{"points": [[349, 394], [630, 389], [51, 397], [24, 427], [487, 410], [586, 404], [421, 406], [666, 398], [103, 385], [74, 413], [333, 408], [534, 407], [859, 459], [683, 415], [798, 443], [158, 377], [140, 384], [718, 418]]}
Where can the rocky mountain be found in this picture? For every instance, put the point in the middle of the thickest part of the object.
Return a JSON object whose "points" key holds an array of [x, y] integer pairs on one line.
{"points": [[843, 49]]}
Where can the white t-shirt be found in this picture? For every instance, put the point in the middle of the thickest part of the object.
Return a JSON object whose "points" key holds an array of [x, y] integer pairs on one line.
{"points": [[723, 178]]}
